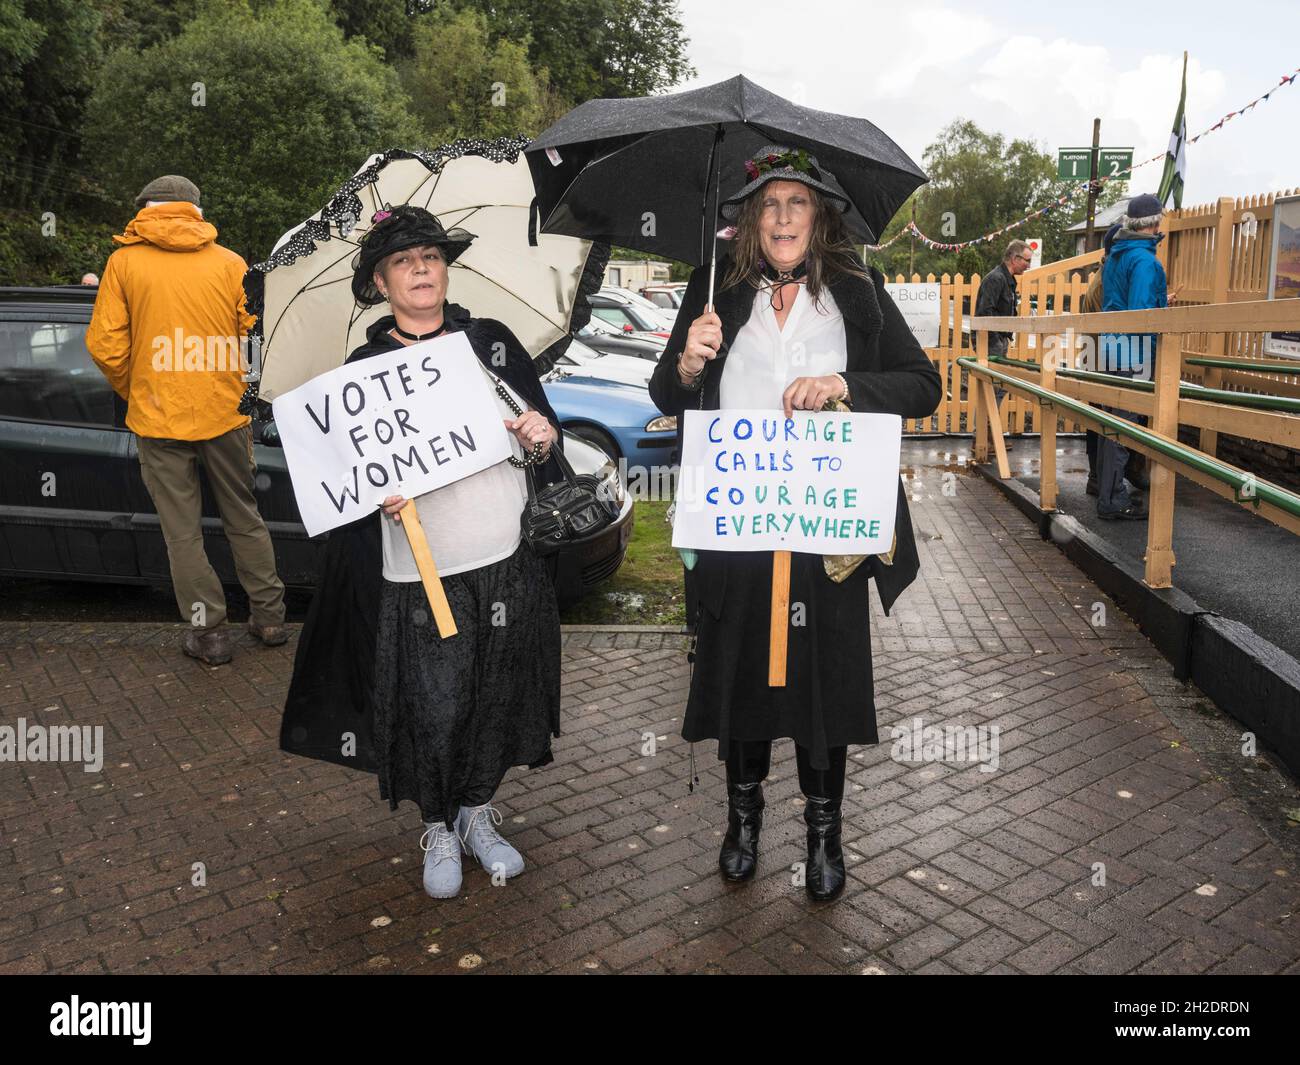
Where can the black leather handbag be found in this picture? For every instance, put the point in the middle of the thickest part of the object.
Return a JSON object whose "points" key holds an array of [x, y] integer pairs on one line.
{"points": [[573, 508]]}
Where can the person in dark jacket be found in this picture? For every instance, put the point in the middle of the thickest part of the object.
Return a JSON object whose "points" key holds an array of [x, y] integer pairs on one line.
{"points": [[374, 686], [798, 321], [1091, 304], [998, 295], [1133, 279]]}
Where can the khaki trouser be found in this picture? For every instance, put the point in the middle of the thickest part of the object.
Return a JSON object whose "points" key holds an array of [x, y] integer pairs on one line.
{"points": [[170, 472]]}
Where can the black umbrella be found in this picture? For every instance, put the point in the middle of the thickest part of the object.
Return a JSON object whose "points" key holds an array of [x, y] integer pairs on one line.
{"points": [[646, 173]]}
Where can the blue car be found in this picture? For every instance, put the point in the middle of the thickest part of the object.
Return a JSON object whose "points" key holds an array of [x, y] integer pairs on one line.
{"points": [[618, 418]]}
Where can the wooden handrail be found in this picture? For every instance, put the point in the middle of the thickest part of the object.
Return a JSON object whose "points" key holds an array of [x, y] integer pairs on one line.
{"points": [[1248, 316], [1063, 266], [1278, 504]]}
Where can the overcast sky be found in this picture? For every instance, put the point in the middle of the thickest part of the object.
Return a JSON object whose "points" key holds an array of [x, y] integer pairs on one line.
{"points": [[1037, 70]]}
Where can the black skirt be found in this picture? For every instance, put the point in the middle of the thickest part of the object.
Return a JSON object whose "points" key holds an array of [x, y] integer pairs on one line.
{"points": [[452, 716], [828, 698]]}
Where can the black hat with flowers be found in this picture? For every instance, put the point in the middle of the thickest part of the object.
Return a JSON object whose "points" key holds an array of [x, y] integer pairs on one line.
{"points": [[777, 162], [396, 229]]}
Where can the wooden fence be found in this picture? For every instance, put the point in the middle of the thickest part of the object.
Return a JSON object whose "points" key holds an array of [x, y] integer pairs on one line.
{"points": [[1213, 254], [1048, 293]]}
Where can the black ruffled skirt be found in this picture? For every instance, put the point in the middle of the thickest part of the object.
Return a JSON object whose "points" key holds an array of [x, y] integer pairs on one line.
{"points": [[452, 716], [828, 699]]}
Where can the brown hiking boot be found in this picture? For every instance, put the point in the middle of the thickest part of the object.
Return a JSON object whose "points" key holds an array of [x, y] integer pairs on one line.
{"points": [[270, 635], [210, 646]]}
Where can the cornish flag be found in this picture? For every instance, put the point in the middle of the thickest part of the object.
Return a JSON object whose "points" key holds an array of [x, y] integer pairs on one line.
{"points": [[1176, 158]]}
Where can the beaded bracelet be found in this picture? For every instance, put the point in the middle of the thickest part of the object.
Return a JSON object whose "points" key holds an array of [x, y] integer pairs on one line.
{"points": [[535, 456]]}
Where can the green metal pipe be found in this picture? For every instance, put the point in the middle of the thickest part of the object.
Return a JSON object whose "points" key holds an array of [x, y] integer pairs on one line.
{"points": [[1259, 491], [1241, 364], [1185, 390]]}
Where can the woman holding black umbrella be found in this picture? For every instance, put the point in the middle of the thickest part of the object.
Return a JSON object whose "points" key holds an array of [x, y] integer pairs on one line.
{"points": [[798, 321]]}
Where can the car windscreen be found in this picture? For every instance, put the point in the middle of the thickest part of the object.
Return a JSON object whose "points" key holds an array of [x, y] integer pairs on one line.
{"points": [[618, 316]]}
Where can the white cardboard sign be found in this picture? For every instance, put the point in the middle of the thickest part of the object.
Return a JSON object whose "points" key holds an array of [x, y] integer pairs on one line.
{"points": [[920, 304], [402, 423], [754, 480]]}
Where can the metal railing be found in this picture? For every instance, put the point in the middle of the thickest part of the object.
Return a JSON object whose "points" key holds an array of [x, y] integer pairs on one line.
{"points": [[1057, 386], [1186, 390]]}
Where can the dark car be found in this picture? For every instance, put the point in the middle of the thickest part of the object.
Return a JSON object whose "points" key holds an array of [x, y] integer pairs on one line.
{"points": [[605, 338], [72, 502]]}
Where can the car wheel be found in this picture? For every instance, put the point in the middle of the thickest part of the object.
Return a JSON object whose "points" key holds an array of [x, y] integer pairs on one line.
{"points": [[598, 437]]}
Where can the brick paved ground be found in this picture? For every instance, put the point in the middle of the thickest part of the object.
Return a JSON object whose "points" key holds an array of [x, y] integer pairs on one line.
{"points": [[1104, 759]]}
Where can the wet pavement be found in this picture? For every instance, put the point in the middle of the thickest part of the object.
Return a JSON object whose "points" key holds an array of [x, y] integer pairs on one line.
{"points": [[1110, 824], [1229, 560]]}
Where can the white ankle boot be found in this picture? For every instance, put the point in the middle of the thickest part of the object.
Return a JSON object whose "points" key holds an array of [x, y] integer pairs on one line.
{"points": [[476, 826], [442, 849]]}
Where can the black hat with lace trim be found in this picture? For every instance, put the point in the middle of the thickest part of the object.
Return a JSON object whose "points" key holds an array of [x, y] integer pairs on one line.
{"points": [[777, 162], [395, 229]]}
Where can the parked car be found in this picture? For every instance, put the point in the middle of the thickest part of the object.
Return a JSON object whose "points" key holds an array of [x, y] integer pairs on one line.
{"points": [[666, 314], [74, 506], [668, 298], [601, 336], [623, 310], [620, 419], [667, 311], [581, 361]]}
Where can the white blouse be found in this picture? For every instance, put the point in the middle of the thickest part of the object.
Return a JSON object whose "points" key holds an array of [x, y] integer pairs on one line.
{"points": [[765, 358], [469, 523]]}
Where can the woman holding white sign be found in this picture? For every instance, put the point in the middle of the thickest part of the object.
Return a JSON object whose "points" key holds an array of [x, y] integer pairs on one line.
{"points": [[798, 321], [450, 716]]}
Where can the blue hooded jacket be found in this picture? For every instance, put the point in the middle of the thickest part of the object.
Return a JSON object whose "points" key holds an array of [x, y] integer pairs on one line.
{"points": [[1133, 279]]}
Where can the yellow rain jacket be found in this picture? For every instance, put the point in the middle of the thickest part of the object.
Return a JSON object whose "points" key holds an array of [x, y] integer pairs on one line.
{"points": [[167, 325]]}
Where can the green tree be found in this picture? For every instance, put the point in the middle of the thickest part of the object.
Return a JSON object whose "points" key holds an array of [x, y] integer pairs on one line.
{"points": [[981, 181], [594, 48], [266, 107], [20, 42], [385, 23], [49, 51], [643, 49], [29, 257], [138, 24], [969, 262], [978, 182], [462, 84]]}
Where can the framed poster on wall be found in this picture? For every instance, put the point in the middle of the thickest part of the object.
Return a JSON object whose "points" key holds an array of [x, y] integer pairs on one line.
{"points": [[1284, 271]]}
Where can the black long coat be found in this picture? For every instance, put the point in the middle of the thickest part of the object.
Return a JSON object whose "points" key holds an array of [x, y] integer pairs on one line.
{"points": [[888, 372], [332, 687]]}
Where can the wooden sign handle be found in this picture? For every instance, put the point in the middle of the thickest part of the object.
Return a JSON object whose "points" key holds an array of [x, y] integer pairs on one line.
{"points": [[428, 571], [780, 631]]}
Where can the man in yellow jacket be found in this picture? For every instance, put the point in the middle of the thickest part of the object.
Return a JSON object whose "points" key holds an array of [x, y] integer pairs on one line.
{"points": [[166, 332]]}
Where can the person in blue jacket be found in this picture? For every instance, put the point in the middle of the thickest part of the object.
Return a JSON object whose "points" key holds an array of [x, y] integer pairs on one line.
{"points": [[1133, 279]]}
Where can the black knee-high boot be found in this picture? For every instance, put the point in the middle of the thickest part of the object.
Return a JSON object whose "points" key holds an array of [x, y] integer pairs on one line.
{"points": [[823, 791], [748, 762]]}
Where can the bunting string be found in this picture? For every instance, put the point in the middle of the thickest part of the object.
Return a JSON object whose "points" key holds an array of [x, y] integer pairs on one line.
{"points": [[1078, 186]]}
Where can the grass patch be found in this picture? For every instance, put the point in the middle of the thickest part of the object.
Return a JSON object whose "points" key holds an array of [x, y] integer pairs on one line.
{"points": [[647, 589]]}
